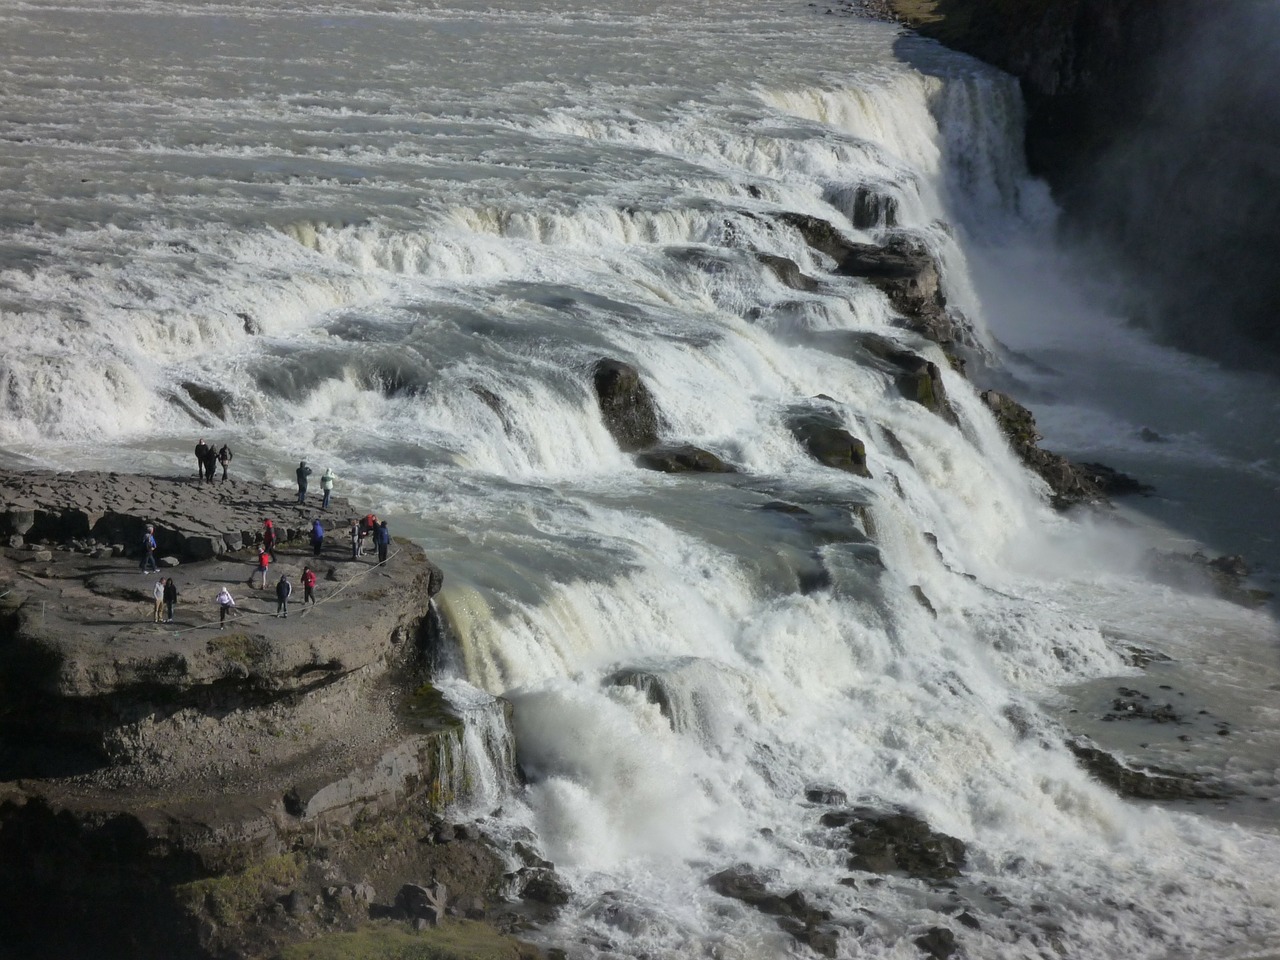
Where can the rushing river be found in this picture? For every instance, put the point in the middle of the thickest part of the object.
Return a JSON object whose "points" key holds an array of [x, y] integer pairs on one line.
{"points": [[396, 237]]}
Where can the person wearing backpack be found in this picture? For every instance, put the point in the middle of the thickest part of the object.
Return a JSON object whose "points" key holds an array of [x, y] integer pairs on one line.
{"points": [[149, 551], [224, 458]]}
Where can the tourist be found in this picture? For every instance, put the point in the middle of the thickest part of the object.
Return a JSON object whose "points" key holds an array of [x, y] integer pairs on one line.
{"points": [[224, 458], [149, 551], [355, 540], [308, 586], [210, 463], [264, 561], [317, 536], [284, 590], [326, 486], [303, 472], [201, 448], [158, 593], [382, 537], [226, 603], [170, 598], [269, 538]]}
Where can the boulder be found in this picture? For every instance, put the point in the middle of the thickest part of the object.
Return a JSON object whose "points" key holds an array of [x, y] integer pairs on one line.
{"points": [[937, 942], [626, 405], [684, 458], [17, 522], [1146, 782], [896, 841], [825, 794], [788, 272], [1068, 482], [824, 436]]}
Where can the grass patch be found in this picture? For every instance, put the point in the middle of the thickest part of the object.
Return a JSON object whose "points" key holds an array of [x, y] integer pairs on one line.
{"points": [[233, 899], [455, 940], [241, 647]]}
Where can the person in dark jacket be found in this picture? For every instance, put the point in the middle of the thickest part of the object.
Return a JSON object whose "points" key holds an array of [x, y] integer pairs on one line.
{"points": [[201, 447], [224, 458], [170, 598], [303, 472], [382, 537], [149, 551], [284, 590]]}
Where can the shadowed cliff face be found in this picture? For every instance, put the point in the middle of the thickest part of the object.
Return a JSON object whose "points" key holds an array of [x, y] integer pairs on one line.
{"points": [[1158, 125]]}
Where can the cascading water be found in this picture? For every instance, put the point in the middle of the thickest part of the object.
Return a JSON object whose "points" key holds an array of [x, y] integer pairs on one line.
{"points": [[401, 248]]}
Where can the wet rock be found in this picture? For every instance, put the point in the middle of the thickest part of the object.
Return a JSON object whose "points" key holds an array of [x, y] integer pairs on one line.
{"points": [[825, 794], [895, 841], [648, 683], [684, 458], [210, 399], [823, 939], [823, 435], [626, 405], [542, 886], [788, 272], [1069, 483], [937, 942], [1146, 782], [1112, 482]]}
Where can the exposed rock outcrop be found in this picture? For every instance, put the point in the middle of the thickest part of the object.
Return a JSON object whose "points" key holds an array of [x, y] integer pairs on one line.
{"points": [[626, 405], [896, 841], [683, 458], [1069, 483], [242, 787], [822, 433]]}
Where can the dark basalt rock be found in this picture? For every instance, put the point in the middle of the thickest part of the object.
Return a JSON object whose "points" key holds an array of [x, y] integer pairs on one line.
{"points": [[1069, 483], [684, 458], [895, 841], [788, 272], [1112, 482], [937, 942], [793, 912], [1146, 782], [866, 206], [208, 398], [626, 405], [916, 378], [648, 683], [827, 441], [825, 794]]}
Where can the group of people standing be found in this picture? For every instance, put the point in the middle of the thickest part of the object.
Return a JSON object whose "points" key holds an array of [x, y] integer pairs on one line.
{"points": [[208, 459], [303, 474]]}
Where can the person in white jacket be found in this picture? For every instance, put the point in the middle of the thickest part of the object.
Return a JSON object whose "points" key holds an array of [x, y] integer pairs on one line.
{"points": [[326, 486], [226, 603]]}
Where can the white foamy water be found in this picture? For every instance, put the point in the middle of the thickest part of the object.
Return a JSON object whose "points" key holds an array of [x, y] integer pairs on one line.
{"points": [[398, 240]]}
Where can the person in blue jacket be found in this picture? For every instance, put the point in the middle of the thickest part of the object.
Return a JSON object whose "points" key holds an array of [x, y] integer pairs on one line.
{"points": [[382, 537]]}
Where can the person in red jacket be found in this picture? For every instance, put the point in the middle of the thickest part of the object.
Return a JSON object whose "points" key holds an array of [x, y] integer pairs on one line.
{"points": [[269, 538], [308, 585], [264, 561]]}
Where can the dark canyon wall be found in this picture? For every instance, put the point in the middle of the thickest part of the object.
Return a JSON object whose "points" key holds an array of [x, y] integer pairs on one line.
{"points": [[1157, 122]]}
